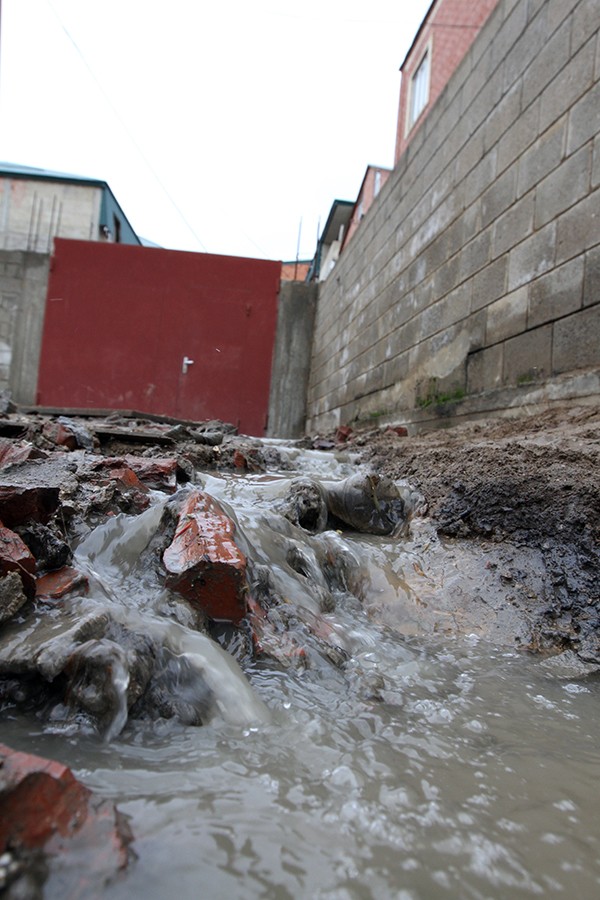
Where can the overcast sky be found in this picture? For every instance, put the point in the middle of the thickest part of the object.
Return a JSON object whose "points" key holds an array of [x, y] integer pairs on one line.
{"points": [[218, 125]]}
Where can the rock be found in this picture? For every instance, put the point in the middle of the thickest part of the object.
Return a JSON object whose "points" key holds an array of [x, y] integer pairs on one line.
{"points": [[305, 505], [6, 403], [44, 808], [15, 556], [203, 562], [54, 585], [367, 502], [12, 595], [49, 550]]}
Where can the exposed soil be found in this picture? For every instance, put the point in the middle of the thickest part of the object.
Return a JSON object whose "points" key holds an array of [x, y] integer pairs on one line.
{"points": [[531, 482]]}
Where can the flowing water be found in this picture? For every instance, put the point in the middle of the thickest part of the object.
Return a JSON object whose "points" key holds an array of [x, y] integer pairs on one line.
{"points": [[420, 767]]}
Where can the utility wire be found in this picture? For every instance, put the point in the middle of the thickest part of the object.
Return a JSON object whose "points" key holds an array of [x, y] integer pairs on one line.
{"points": [[125, 128]]}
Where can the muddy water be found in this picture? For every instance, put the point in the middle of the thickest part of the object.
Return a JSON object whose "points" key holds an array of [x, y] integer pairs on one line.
{"points": [[427, 765]]}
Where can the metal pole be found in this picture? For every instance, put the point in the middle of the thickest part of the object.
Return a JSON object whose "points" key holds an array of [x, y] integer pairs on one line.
{"points": [[298, 250]]}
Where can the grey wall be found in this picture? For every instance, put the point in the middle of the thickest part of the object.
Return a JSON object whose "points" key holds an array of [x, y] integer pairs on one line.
{"points": [[473, 282], [23, 285], [291, 359]]}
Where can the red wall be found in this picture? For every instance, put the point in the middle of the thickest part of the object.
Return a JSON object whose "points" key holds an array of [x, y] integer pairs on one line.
{"points": [[120, 319]]}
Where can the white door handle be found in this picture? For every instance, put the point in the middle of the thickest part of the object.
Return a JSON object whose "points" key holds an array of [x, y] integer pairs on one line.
{"points": [[185, 364]]}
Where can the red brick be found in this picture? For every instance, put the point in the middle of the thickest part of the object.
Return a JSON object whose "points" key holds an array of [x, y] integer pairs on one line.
{"points": [[60, 435], [20, 504], [15, 556], [55, 585], [343, 433], [113, 468], [42, 805], [158, 473], [203, 562], [12, 452]]}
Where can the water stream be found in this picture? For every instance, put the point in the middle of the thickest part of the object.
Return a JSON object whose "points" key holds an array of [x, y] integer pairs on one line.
{"points": [[424, 765]]}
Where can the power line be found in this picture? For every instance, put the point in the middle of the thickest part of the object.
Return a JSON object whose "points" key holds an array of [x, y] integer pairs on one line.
{"points": [[125, 128]]}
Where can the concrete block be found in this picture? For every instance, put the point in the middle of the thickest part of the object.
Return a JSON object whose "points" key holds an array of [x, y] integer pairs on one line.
{"points": [[507, 316], [525, 51], [446, 277], [513, 226], [533, 8], [502, 116], [596, 162], [563, 187], [509, 33], [475, 255], [519, 136], [556, 294], [395, 369], [547, 62], [532, 257], [499, 196], [470, 154], [484, 369], [577, 229], [451, 309], [528, 356], [573, 81], [542, 157], [585, 22], [584, 119], [480, 177], [591, 278], [576, 343], [489, 283], [557, 12]]}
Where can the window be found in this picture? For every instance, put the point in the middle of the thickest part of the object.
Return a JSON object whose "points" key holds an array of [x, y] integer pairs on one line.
{"points": [[377, 186], [419, 89]]}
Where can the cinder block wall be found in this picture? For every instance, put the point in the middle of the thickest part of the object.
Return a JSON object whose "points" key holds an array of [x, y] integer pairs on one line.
{"points": [[473, 283], [23, 281]]}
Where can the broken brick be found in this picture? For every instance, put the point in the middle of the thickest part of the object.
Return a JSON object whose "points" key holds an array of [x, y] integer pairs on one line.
{"points": [[23, 503], [239, 460], [54, 585], [59, 434], [116, 469], [43, 806], [15, 556], [157, 473], [203, 562], [12, 453], [342, 434]]}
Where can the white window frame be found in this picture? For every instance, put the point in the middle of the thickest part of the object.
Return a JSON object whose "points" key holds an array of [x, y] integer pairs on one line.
{"points": [[420, 81]]}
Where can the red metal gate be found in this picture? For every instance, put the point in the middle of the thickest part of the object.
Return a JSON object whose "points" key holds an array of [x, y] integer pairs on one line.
{"points": [[161, 331]]}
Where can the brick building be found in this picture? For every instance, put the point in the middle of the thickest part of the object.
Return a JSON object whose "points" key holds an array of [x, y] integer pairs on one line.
{"points": [[445, 35], [374, 179]]}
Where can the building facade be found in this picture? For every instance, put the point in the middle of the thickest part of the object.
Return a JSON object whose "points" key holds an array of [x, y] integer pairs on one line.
{"points": [[445, 35]]}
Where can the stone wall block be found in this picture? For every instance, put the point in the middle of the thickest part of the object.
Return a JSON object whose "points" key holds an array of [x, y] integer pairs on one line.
{"points": [[507, 316], [556, 294], [576, 343], [528, 356]]}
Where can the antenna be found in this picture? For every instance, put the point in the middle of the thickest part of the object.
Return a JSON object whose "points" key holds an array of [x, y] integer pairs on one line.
{"points": [[298, 250]]}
